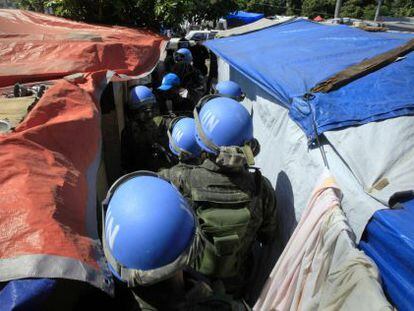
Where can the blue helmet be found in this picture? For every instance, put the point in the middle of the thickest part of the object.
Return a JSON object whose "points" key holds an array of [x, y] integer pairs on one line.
{"points": [[181, 134], [230, 89], [148, 226], [141, 96], [183, 54], [169, 81], [222, 122]]}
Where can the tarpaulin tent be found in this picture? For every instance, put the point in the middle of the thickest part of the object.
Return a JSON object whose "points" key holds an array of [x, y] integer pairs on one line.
{"points": [[365, 127], [243, 17], [288, 71], [49, 163]]}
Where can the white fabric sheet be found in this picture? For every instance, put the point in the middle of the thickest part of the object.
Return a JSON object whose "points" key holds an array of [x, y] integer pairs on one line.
{"points": [[320, 268]]}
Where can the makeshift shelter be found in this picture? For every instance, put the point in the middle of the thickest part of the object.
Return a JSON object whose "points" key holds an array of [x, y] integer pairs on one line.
{"points": [[241, 18], [50, 162], [329, 96]]}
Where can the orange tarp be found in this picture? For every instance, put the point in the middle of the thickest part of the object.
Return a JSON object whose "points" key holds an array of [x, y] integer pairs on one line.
{"points": [[36, 47], [43, 186], [48, 165]]}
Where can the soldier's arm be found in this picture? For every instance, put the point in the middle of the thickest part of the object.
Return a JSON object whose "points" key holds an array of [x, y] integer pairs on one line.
{"points": [[268, 229]]}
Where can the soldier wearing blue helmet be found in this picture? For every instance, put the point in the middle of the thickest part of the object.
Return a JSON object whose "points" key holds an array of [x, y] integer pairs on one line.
{"points": [[150, 237], [169, 97], [144, 141], [184, 55], [191, 79], [234, 203]]}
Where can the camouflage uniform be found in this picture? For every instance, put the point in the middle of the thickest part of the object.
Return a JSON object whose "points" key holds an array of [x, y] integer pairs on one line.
{"points": [[235, 208], [145, 145], [200, 295]]}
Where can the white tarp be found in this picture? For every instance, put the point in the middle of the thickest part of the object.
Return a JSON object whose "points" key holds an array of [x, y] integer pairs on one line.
{"points": [[258, 25], [358, 158]]}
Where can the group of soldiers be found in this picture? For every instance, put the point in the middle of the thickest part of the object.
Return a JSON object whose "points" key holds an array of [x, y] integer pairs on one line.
{"points": [[179, 227]]}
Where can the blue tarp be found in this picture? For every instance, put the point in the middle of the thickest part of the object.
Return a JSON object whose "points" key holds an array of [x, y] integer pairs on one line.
{"points": [[288, 60], [245, 17], [26, 294], [381, 95], [389, 241]]}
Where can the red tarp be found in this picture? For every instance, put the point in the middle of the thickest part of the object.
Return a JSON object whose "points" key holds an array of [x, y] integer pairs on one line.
{"points": [[37, 47], [48, 165]]}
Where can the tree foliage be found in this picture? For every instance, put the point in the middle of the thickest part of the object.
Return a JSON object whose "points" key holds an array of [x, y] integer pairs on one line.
{"points": [[172, 13], [313, 8], [150, 13]]}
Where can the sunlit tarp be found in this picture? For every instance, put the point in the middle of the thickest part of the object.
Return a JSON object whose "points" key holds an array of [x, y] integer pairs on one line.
{"points": [[49, 164], [389, 240], [37, 47], [288, 60], [244, 17]]}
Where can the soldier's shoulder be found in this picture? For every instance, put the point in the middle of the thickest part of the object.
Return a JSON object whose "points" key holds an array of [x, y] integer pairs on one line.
{"points": [[176, 170]]}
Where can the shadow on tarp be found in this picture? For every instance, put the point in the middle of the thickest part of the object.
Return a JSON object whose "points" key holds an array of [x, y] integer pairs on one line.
{"points": [[52, 294], [266, 256]]}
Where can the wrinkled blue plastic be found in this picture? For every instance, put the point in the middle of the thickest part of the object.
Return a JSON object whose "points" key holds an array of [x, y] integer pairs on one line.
{"points": [[148, 223], [288, 60], [26, 294], [383, 94], [245, 17], [389, 241], [225, 123]]}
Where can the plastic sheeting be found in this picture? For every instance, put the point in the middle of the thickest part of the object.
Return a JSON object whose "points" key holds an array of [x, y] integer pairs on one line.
{"points": [[320, 268], [291, 166], [245, 17], [383, 160], [386, 93], [49, 163], [289, 59], [368, 174], [29, 294], [389, 241], [48, 229], [35, 47], [258, 25]]}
